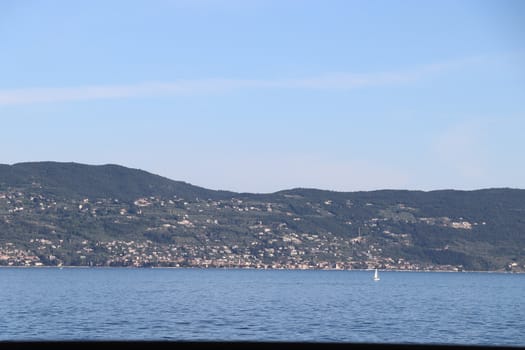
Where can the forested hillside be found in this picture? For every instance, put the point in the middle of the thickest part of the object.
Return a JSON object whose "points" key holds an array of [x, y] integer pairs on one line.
{"points": [[74, 214]]}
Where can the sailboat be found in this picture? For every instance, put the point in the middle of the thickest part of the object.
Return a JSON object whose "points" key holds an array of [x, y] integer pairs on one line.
{"points": [[376, 276]]}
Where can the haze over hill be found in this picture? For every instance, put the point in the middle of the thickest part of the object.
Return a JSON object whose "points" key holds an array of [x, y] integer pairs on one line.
{"points": [[75, 214]]}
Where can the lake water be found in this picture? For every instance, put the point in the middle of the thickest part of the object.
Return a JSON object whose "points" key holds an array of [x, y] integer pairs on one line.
{"points": [[261, 305]]}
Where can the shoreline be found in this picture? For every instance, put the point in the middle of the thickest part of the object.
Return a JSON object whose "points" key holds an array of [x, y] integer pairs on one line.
{"points": [[251, 268]]}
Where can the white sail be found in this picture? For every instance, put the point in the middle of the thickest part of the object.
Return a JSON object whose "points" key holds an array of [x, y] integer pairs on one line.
{"points": [[376, 276]]}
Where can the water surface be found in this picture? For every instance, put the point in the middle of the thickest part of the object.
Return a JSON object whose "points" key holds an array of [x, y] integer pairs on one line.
{"points": [[261, 305]]}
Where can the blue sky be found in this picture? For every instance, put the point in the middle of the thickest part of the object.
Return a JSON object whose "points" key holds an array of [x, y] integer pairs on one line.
{"points": [[260, 96]]}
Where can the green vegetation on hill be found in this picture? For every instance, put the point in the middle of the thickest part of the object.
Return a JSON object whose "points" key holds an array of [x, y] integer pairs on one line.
{"points": [[74, 214], [72, 180]]}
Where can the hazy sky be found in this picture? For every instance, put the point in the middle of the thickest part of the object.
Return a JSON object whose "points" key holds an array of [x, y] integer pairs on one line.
{"points": [[260, 96]]}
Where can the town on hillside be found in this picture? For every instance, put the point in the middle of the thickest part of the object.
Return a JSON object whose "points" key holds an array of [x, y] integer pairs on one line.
{"points": [[45, 230]]}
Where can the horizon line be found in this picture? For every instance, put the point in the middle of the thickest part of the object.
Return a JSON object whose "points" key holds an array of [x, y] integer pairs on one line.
{"points": [[274, 192]]}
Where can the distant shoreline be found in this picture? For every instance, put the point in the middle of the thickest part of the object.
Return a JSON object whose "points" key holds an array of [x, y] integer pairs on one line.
{"points": [[240, 268]]}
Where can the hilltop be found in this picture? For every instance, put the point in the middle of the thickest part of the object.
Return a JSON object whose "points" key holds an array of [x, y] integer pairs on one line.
{"points": [[75, 214], [73, 180]]}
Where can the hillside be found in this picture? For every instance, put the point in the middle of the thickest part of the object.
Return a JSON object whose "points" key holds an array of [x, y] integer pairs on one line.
{"points": [[74, 214], [73, 180]]}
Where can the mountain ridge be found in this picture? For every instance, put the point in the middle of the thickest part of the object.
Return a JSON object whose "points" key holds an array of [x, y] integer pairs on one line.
{"points": [[36, 164], [71, 203], [95, 174]]}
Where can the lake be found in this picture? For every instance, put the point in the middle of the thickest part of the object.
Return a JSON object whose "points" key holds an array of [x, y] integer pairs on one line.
{"points": [[261, 305]]}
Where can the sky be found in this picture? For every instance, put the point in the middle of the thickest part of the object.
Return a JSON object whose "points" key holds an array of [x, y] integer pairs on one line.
{"points": [[261, 96]]}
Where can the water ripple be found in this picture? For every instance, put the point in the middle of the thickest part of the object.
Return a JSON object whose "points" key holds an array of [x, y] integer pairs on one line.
{"points": [[179, 304]]}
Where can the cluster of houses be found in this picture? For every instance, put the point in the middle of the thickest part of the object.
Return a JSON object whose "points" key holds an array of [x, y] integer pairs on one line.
{"points": [[265, 245]]}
